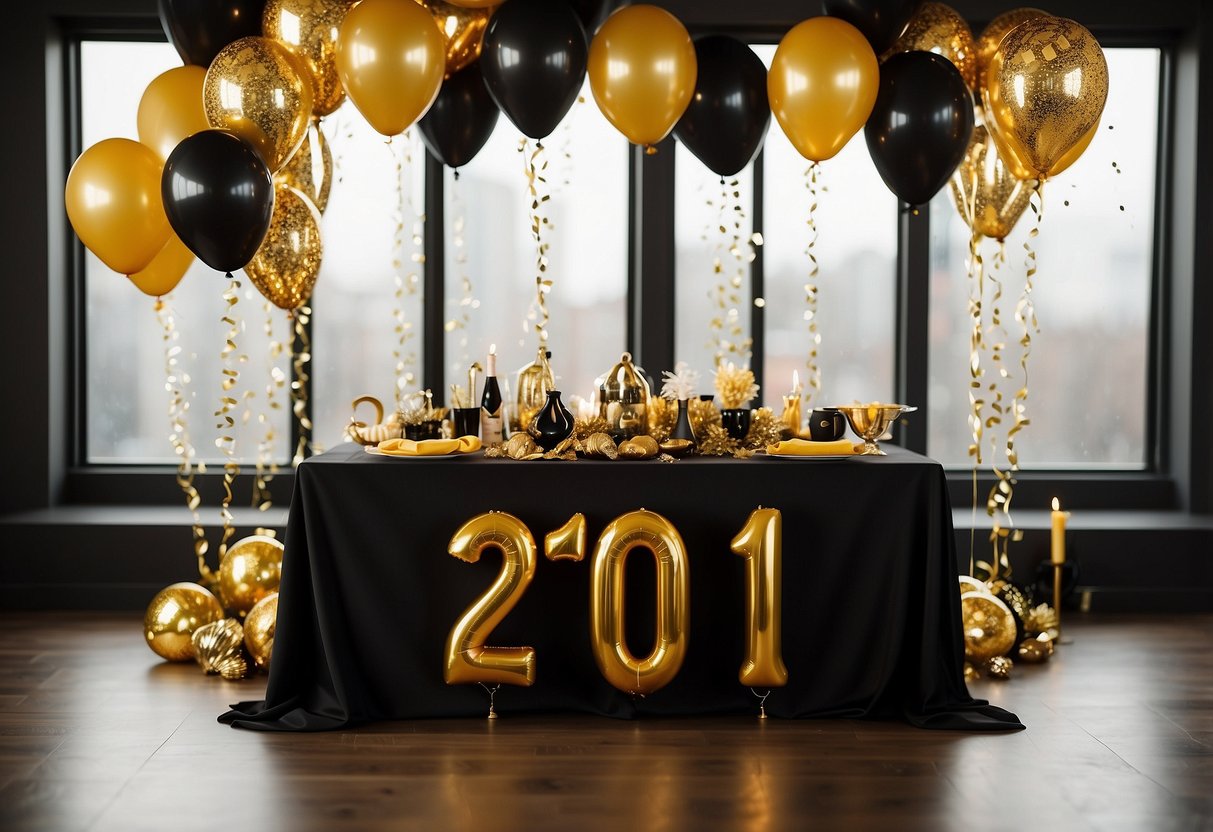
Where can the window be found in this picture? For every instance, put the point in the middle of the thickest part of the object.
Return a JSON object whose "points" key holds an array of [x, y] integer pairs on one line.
{"points": [[1095, 255]]}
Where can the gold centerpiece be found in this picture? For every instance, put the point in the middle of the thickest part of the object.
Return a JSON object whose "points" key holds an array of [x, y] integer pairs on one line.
{"points": [[534, 382], [872, 421], [623, 400]]}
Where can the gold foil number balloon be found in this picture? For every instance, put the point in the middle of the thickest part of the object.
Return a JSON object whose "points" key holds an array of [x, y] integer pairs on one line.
{"points": [[760, 542], [171, 109], [309, 29], [987, 194], [822, 85], [642, 71], [258, 90], [991, 36], [173, 616], [643, 530], [989, 626], [284, 269], [467, 659], [940, 29], [1046, 89], [259, 627], [462, 29], [310, 170], [250, 571]]}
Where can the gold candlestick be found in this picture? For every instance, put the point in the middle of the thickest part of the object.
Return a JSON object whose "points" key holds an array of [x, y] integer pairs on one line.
{"points": [[1057, 554]]}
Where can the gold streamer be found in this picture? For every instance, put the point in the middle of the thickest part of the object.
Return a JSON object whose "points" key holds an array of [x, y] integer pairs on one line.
{"points": [[406, 282], [726, 329], [176, 380], [276, 380], [810, 288], [535, 166], [226, 441], [976, 272], [467, 301], [300, 356]]}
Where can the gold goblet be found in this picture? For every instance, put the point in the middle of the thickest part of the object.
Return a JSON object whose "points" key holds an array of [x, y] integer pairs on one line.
{"points": [[871, 421]]}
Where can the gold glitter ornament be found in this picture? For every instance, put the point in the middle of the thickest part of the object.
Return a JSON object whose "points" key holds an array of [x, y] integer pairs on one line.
{"points": [[940, 29], [987, 193], [259, 626], [1041, 619], [217, 648], [285, 267], [258, 90], [989, 627], [174, 615], [1036, 650], [308, 28], [991, 36], [970, 584], [310, 170], [250, 570], [999, 668], [639, 447], [601, 446], [1045, 90]]}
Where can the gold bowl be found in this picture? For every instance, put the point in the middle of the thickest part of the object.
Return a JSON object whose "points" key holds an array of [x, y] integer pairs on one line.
{"points": [[872, 421]]}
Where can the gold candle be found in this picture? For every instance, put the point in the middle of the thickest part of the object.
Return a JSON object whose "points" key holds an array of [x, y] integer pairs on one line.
{"points": [[1060, 517], [791, 414]]}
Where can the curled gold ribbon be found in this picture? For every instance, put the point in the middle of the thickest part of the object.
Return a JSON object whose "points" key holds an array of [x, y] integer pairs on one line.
{"points": [[300, 357], [176, 381], [535, 168], [977, 402], [276, 380], [810, 288], [725, 326], [406, 282], [461, 321], [230, 359]]}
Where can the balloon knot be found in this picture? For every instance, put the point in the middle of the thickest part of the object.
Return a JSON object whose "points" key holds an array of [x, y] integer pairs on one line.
{"points": [[456, 174], [649, 150], [539, 144], [230, 277]]}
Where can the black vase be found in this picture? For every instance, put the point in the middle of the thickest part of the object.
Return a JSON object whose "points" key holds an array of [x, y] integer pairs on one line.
{"points": [[736, 421], [682, 427], [553, 424]]}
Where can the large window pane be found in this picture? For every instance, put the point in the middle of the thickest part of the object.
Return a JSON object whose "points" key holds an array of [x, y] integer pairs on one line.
{"points": [[488, 208], [127, 403], [1087, 391], [856, 251]]}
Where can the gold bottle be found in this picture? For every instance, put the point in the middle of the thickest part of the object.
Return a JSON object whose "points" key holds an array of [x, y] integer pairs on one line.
{"points": [[623, 400], [534, 382]]}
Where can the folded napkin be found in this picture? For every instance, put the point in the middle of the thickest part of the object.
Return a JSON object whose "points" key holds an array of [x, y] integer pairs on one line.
{"points": [[805, 447], [429, 447]]}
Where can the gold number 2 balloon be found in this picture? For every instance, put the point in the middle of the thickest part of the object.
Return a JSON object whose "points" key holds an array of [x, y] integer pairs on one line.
{"points": [[644, 529], [760, 542], [467, 659]]}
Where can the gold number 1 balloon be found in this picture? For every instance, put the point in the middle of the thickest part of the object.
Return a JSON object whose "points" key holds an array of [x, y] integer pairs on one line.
{"points": [[467, 659], [760, 542]]}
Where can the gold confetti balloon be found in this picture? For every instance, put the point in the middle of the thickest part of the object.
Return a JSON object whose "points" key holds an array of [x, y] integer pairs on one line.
{"points": [[310, 170], [988, 195], [217, 649], [940, 29], [250, 571], [1045, 91], [308, 28], [991, 36], [989, 627], [259, 627], [462, 29], [257, 89], [173, 616], [285, 267]]}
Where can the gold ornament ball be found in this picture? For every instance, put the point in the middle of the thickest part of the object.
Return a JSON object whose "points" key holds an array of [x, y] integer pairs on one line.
{"points": [[989, 626], [970, 584], [259, 630], [250, 571], [1000, 668], [173, 616], [217, 649], [1036, 650]]}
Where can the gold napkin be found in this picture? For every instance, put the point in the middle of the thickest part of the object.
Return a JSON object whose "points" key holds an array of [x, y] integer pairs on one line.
{"points": [[422, 447], [805, 447]]}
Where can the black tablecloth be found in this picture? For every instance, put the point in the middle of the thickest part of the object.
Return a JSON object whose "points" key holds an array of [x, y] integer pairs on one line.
{"points": [[871, 620]]}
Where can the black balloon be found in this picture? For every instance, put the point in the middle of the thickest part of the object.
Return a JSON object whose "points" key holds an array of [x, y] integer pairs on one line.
{"points": [[921, 124], [593, 13], [727, 120], [461, 119], [881, 21], [200, 28], [533, 60], [218, 195]]}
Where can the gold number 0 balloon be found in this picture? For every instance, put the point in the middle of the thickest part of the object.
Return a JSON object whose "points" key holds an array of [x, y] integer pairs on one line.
{"points": [[467, 659], [760, 542], [617, 664]]}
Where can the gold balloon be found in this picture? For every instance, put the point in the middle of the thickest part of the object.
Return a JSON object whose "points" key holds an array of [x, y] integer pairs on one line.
{"points": [[171, 109], [1036, 650], [165, 271], [987, 194], [822, 85], [1072, 155], [760, 542], [113, 202], [642, 71], [309, 29], [250, 570], [989, 627], [173, 616], [310, 170], [1046, 89], [992, 35], [259, 627], [940, 29], [217, 649], [258, 90], [1006, 153], [391, 58], [567, 542], [646, 530], [462, 29], [467, 659], [284, 269]]}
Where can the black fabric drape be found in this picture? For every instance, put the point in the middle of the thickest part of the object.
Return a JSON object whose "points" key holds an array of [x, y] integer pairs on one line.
{"points": [[871, 618]]}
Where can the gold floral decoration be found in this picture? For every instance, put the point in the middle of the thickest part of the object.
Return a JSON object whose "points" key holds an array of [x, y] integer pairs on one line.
{"points": [[583, 429], [663, 414], [735, 385], [765, 429], [702, 414]]}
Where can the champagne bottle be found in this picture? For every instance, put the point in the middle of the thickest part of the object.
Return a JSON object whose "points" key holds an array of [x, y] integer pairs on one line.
{"points": [[491, 405]]}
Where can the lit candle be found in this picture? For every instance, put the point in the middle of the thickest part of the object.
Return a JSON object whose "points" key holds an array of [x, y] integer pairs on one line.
{"points": [[1059, 532], [795, 383]]}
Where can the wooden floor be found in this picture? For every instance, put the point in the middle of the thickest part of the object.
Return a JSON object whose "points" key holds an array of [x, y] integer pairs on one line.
{"points": [[96, 733]]}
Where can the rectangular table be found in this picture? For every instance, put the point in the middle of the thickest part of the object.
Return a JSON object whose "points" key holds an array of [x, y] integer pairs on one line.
{"points": [[871, 622]]}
